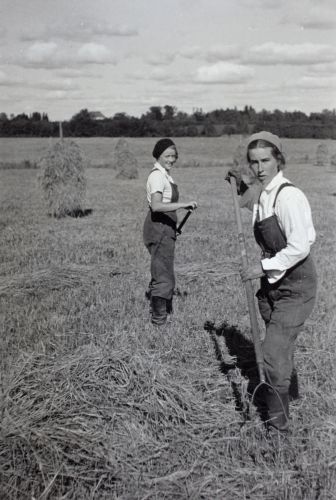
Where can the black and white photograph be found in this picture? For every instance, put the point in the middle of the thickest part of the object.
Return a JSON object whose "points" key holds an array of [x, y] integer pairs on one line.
{"points": [[167, 250]]}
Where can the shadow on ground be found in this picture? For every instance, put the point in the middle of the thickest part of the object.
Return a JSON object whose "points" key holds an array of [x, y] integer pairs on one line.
{"points": [[240, 355]]}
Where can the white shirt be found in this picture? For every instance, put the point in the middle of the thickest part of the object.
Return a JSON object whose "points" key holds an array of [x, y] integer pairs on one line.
{"points": [[159, 182], [294, 216]]}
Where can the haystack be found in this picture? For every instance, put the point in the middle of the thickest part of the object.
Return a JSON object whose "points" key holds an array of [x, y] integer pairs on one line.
{"points": [[62, 178], [125, 161], [333, 160], [322, 155]]}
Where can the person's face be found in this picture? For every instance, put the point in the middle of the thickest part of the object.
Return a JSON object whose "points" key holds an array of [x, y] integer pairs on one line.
{"points": [[263, 164], [168, 158]]}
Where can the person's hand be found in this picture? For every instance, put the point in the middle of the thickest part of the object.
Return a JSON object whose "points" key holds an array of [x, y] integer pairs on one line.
{"points": [[252, 272], [191, 205], [235, 174]]}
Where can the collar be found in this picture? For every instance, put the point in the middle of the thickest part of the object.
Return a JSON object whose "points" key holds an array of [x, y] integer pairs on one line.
{"points": [[162, 170], [275, 182]]}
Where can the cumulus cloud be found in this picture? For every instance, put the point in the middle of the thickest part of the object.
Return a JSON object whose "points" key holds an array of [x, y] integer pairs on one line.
{"points": [[81, 31], [224, 72], [94, 53], [296, 54], [41, 52], [46, 55]]}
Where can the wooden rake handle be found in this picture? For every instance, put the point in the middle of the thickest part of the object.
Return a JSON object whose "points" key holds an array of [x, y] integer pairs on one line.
{"points": [[248, 285]]}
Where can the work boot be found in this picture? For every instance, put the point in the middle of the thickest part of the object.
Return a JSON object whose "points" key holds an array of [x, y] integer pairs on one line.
{"points": [[278, 409], [159, 310]]}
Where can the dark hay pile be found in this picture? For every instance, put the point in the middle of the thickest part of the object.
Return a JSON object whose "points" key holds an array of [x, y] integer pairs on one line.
{"points": [[125, 161], [322, 155], [62, 178]]}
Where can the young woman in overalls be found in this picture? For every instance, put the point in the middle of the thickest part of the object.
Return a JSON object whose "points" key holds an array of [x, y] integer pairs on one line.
{"points": [[159, 232], [284, 230]]}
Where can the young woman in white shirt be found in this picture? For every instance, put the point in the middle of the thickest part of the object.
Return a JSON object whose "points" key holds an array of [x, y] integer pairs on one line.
{"points": [[284, 230], [159, 231]]}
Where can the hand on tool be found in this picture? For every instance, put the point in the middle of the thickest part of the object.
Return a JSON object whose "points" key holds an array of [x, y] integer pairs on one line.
{"points": [[252, 272], [191, 205], [241, 185]]}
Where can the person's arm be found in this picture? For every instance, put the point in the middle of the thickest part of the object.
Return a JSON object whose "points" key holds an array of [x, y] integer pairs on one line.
{"points": [[157, 204]]}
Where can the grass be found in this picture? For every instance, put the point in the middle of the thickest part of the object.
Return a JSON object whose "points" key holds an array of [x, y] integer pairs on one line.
{"points": [[97, 403]]}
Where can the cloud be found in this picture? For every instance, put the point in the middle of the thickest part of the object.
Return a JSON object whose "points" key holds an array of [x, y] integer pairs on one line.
{"points": [[316, 82], [47, 55], [81, 31], [224, 72], [41, 52], [323, 69], [321, 17], [191, 52], [263, 4], [295, 54], [94, 53]]}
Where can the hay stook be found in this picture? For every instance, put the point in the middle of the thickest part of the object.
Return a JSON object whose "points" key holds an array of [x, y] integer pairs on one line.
{"points": [[62, 179], [322, 155], [125, 161]]}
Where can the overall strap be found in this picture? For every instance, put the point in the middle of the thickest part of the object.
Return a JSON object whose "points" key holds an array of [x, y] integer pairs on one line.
{"points": [[280, 188]]}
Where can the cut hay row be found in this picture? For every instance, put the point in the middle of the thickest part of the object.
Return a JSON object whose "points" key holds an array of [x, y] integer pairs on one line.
{"points": [[74, 275], [216, 271], [56, 278]]}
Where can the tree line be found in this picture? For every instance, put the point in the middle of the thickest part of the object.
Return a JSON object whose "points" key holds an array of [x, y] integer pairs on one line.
{"points": [[167, 120]]}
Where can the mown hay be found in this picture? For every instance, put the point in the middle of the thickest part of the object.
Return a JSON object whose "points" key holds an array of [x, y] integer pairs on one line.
{"points": [[62, 178], [57, 278], [322, 155], [125, 161]]}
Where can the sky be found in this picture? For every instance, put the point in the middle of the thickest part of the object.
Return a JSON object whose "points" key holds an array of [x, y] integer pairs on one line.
{"points": [[124, 56]]}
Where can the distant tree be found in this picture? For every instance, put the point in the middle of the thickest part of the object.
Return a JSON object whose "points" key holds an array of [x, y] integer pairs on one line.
{"points": [[169, 112]]}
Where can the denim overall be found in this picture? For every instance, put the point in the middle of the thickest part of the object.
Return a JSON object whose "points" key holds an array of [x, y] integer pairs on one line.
{"points": [[284, 306], [159, 235]]}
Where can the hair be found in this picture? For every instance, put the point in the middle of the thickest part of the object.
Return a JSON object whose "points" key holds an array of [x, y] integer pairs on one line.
{"points": [[261, 143]]}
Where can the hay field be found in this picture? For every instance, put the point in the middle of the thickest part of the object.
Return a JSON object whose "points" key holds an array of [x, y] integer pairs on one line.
{"points": [[98, 404]]}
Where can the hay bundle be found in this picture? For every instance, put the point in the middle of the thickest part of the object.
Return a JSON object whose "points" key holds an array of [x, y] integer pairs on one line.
{"points": [[333, 160], [62, 178], [125, 161], [322, 155]]}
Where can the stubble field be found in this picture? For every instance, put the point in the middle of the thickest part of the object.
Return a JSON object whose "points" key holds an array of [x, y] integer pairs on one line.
{"points": [[97, 403]]}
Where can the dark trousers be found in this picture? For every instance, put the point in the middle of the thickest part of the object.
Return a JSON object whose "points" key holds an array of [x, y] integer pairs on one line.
{"points": [[284, 307], [159, 234]]}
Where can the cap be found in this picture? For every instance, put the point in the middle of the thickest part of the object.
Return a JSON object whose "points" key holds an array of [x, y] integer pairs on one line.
{"points": [[266, 136], [161, 146]]}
